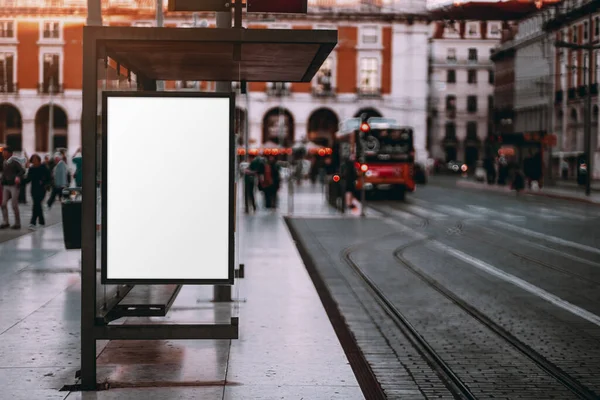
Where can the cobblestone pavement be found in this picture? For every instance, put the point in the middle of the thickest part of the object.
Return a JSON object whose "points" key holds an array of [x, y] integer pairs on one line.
{"points": [[529, 265]]}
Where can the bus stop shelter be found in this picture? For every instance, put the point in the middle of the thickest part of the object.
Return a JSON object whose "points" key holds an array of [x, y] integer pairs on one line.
{"points": [[144, 56]]}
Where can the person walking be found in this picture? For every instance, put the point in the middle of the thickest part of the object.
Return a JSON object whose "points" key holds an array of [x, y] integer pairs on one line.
{"points": [[250, 175], [78, 162], [12, 174], [60, 174], [39, 177], [349, 175], [269, 182], [23, 187]]}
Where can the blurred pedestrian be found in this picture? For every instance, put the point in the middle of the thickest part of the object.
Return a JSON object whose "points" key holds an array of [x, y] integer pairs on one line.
{"points": [[269, 182], [349, 176], [564, 169], [23, 187], [60, 178], [78, 162], [39, 177], [250, 177], [12, 174]]}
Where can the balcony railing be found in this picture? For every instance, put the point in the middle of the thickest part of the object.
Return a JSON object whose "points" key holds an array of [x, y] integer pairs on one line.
{"points": [[369, 93], [323, 93], [9, 88], [278, 91], [46, 88], [571, 93]]}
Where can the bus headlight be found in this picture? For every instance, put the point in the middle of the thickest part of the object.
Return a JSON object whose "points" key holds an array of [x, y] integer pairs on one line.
{"points": [[368, 173]]}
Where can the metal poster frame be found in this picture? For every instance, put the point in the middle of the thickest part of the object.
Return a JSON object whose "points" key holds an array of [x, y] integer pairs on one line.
{"points": [[231, 222]]}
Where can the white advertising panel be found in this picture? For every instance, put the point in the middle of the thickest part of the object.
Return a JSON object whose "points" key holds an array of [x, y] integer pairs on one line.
{"points": [[167, 188]]}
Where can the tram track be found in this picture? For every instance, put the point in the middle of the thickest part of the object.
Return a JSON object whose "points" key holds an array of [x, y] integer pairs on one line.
{"points": [[558, 374], [458, 388], [569, 382], [454, 384]]}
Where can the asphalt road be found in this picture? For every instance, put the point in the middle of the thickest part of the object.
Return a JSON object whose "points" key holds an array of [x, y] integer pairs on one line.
{"points": [[504, 290]]}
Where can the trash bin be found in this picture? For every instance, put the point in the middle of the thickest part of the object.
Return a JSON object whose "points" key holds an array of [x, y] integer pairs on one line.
{"points": [[71, 218]]}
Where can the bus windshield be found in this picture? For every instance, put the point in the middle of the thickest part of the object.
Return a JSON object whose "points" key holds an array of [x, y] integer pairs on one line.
{"points": [[388, 144]]}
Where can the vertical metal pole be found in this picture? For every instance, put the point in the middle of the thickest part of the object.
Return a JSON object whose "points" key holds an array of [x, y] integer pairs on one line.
{"points": [[88, 225], [550, 114], [363, 195], [247, 127], [222, 293], [160, 85], [94, 13], [588, 111], [51, 112]]}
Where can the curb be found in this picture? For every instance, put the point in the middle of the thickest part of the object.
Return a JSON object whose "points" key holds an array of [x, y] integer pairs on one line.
{"points": [[473, 185]]}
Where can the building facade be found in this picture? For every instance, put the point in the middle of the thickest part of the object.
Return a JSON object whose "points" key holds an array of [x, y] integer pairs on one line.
{"points": [[379, 67], [461, 90], [503, 58], [571, 67]]}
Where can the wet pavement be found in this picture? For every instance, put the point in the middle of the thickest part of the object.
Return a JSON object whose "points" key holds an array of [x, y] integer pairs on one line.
{"points": [[287, 347], [53, 216]]}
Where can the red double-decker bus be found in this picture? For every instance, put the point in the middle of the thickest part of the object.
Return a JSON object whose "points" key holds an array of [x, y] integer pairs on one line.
{"points": [[383, 153]]}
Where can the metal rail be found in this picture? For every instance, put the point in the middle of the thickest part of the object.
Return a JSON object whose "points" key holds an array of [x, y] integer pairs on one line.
{"points": [[456, 386], [557, 373], [564, 378]]}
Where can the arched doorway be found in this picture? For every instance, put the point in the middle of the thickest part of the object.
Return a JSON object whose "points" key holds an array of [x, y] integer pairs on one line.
{"points": [[11, 127], [278, 127], [322, 126], [571, 139], [472, 145], [371, 113], [42, 124], [240, 123], [450, 143]]}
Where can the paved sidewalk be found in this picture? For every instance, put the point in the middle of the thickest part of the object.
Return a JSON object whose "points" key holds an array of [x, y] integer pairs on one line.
{"points": [[52, 216], [287, 348], [554, 192]]}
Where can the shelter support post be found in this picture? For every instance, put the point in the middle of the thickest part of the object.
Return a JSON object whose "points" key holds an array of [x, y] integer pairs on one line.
{"points": [[222, 293], [88, 227]]}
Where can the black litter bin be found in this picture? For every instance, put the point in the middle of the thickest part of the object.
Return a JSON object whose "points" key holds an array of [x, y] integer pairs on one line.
{"points": [[71, 218]]}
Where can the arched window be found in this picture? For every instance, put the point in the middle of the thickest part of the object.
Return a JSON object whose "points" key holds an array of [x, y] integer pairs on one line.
{"points": [[42, 129]]}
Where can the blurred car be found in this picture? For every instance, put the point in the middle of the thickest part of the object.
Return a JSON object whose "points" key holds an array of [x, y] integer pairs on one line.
{"points": [[480, 173], [456, 167]]}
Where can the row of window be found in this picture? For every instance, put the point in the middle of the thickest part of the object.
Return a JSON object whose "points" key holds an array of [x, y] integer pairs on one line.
{"points": [[586, 31], [473, 30], [573, 68], [471, 104], [50, 73], [451, 55], [471, 76], [471, 130], [49, 29]]}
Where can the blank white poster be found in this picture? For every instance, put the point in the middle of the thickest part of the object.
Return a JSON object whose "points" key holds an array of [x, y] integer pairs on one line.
{"points": [[168, 204]]}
